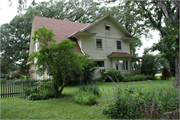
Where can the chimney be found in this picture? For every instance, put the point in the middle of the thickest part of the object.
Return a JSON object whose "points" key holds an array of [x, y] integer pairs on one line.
{"points": [[66, 19]]}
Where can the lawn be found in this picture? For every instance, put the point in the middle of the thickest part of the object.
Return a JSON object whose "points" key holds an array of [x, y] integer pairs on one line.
{"points": [[64, 107]]}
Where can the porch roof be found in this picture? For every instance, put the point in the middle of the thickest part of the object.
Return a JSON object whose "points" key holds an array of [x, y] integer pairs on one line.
{"points": [[120, 54]]}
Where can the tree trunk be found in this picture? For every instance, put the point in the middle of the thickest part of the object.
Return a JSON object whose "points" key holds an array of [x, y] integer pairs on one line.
{"points": [[63, 85], [177, 74], [177, 67], [168, 65]]}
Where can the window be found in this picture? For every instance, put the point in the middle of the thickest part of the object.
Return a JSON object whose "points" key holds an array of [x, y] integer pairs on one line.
{"points": [[99, 63], [98, 43], [118, 44], [116, 65], [126, 65], [121, 65], [107, 27]]}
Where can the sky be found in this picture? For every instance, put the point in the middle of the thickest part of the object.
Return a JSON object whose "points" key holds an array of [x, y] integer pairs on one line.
{"points": [[7, 13]]}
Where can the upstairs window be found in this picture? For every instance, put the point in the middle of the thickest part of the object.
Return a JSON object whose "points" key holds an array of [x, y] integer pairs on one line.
{"points": [[107, 27], [98, 43], [118, 45]]}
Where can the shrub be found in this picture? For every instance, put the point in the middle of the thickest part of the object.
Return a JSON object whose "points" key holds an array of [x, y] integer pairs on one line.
{"points": [[112, 75], [92, 88], [139, 77], [28, 91], [165, 74], [36, 96], [129, 77], [151, 77], [132, 102], [85, 98], [87, 95], [7, 76], [41, 94], [121, 108], [149, 65], [16, 75]]}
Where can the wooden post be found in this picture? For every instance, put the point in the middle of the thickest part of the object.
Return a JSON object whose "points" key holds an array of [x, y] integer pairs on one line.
{"points": [[1, 89]]}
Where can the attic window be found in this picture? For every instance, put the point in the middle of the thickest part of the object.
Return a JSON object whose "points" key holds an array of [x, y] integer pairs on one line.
{"points": [[107, 27]]}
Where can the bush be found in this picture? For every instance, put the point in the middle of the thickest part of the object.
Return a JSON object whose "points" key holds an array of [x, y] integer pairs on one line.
{"points": [[165, 74], [139, 77], [129, 77], [16, 75], [132, 102], [121, 108], [87, 73], [112, 75], [85, 98], [87, 95], [28, 91], [7, 76], [36, 96], [41, 95], [92, 88], [151, 77], [149, 65]]}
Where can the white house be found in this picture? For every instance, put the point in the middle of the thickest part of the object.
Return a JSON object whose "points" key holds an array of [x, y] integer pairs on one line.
{"points": [[106, 41]]}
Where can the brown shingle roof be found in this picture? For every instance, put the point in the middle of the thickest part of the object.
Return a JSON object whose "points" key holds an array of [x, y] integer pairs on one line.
{"points": [[61, 28], [120, 54]]}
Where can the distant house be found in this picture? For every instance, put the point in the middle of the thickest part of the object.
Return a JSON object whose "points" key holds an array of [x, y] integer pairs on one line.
{"points": [[16, 71], [106, 41]]}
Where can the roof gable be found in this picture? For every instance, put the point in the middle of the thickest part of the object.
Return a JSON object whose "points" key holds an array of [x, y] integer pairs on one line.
{"points": [[112, 19]]}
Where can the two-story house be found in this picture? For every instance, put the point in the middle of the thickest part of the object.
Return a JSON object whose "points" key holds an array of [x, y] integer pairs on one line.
{"points": [[105, 41]]}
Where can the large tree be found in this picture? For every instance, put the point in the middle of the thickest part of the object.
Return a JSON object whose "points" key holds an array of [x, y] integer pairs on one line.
{"points": [[59, 60], [155, 13], [15, 36], [170, 32]]}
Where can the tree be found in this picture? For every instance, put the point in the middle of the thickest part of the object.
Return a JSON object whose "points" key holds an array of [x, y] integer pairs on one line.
{"points": [[149, 65], [170, 11], [15, 36], [59, 60], [155, 13]]}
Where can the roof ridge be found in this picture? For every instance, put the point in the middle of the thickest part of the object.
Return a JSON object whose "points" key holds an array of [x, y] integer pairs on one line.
{"points": [[61, 20]]}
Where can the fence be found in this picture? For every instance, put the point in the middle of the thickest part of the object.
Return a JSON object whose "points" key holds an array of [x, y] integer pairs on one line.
{"points": [[15, 88]]}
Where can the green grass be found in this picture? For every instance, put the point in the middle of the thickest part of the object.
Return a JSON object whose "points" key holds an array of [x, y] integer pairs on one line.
{"points": [[64, 107]]}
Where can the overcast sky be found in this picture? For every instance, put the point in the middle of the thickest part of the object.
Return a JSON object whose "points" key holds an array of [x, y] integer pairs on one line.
{"points": [[7, 14]]}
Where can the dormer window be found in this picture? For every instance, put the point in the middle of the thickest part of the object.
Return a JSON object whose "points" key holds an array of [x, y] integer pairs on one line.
{"points": [[107, 27]]}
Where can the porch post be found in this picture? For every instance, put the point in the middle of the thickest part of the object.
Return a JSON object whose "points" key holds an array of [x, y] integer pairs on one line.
{"points": [[130, 66]]}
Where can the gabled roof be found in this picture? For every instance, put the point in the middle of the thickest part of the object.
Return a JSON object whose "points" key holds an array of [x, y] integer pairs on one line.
{"points": [[99, 20], [61, 28]]}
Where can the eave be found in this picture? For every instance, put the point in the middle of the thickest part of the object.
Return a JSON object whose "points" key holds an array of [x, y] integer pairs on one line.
{"points": [[129, 38], [79, 33]]}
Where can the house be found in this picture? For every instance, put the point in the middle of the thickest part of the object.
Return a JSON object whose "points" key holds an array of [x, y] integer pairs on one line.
{"points": [[105, 41]]}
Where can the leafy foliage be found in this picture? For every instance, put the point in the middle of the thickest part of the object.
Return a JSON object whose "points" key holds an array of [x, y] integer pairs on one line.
{"points": [[129, 77], [85, 98], [87, 95], [65, 61], [165, 74], [149, 65], [87, 73], [132, 102], [112, 75]]}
